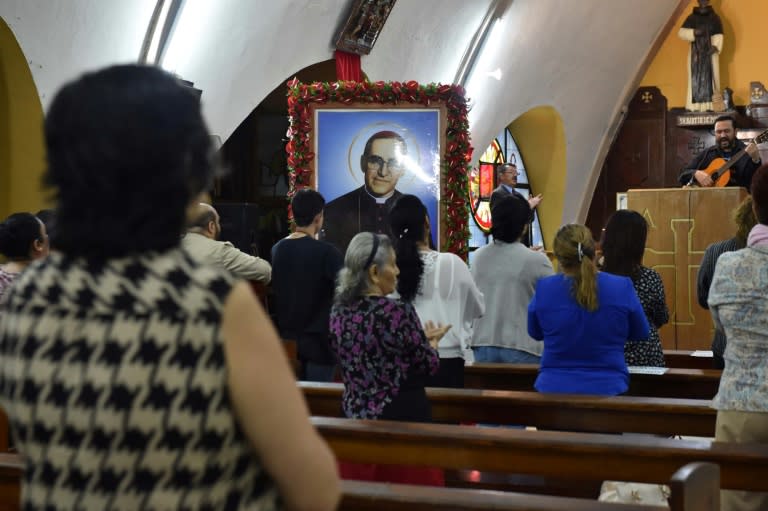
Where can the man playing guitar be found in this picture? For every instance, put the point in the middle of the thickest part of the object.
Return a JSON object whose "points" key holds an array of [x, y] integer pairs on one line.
{"points": [[729, 162]]}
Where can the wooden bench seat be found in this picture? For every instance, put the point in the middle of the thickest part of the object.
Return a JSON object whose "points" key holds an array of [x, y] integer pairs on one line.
{"points": [[602, 414], [694, 488], [675, 383], [576, 456], [10, 481], [684, 359]]}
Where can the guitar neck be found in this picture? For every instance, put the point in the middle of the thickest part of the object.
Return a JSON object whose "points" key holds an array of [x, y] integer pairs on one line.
{"points": [[736, 157]]}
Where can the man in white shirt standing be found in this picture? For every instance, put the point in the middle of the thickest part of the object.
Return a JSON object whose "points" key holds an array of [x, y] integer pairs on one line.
{"points": [[201, 242]]}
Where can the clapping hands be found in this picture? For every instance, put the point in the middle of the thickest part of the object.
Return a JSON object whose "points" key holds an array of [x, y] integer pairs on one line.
{"points": [[435, 332]]}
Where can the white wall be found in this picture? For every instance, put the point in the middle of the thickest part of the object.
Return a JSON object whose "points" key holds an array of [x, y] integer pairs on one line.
{"points": [[580, 56], [64, 38]]}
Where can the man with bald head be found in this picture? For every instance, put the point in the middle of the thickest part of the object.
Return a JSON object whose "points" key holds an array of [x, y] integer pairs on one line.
{"points": [[201, 242]]}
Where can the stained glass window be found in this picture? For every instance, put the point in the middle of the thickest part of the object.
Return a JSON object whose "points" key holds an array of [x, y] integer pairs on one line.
{"points": [[482, 181]]}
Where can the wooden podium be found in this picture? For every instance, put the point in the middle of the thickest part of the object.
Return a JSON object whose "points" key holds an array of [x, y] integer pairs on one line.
{"points": [[682, 222]]}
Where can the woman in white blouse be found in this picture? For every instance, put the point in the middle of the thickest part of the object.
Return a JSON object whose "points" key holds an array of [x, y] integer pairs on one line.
{"points": [[438, 284]]}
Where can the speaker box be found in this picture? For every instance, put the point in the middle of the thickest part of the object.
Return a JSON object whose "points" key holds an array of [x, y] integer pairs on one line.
{"points": [[240, 225]]}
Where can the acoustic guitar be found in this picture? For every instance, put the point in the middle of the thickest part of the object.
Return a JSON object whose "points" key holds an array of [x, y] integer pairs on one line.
{"points": [[719, 169]]}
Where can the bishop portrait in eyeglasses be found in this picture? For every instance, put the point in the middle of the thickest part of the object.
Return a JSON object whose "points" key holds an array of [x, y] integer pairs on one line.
{"points": [[367, 208]]}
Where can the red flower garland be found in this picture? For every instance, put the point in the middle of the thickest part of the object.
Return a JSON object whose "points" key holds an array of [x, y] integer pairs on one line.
{"points": [[458, 152]]}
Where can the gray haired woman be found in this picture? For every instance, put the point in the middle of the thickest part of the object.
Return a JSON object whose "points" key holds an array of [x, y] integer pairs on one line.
{"points": [[384, 353]]}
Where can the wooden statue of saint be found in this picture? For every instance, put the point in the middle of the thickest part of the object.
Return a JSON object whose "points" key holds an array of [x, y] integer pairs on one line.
{"points": [[703, 29]]}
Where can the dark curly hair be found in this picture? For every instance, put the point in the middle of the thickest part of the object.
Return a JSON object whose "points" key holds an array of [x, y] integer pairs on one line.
{"points": [[127, 152], [407, 223], [17, 233]]}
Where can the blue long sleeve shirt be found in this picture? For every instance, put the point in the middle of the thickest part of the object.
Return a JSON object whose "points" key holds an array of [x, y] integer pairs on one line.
{"points": [[583, 350]]}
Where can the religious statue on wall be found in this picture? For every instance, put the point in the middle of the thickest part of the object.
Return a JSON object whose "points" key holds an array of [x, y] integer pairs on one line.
{"points": [[703, 29]]}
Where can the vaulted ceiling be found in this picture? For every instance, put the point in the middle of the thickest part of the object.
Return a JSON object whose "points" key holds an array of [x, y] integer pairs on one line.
{"points": [[583, 58]]}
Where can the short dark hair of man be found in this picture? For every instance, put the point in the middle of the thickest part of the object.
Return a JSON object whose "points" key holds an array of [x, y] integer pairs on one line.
{"points": [[726, 118], [760, 194], [127, 150], [509, 217], [623, 242], [306, 205], [17, 232]]}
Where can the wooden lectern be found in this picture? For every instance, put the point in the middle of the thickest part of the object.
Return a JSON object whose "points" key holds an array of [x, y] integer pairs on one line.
{"points": [[682, 222]]}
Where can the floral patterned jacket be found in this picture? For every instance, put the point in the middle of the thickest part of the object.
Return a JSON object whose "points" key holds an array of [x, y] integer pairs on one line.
{"points": [[737, 300], [379, 343]]}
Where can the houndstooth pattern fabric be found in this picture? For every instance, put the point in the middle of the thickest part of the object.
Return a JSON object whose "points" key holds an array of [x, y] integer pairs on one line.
{"points": [[113, 377]]}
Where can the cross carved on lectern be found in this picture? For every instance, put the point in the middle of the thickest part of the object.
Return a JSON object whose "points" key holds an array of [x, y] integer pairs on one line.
{"points": [[685, 261]]}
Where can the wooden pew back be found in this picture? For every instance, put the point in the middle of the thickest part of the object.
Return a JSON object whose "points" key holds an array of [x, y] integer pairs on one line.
{"points": [[579, 456], [675, 383], [692, 489], [684, 359], [599, 414], [365, 496]]}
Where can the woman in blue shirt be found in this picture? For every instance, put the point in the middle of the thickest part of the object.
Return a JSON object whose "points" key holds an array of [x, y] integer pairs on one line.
{"points": [[584, 318]]}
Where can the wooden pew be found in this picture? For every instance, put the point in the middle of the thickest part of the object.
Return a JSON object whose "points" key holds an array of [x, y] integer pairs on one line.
{"points": [[675, 383], [694, 488], [684, 359], [678, 359], [5, 432], [575, 456], [10, 481], [601, 414]]}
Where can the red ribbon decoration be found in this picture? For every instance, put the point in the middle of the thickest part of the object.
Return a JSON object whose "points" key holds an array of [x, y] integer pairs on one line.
{"points": [[348, 66]]}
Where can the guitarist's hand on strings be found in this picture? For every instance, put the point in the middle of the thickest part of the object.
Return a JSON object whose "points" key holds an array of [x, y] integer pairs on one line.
{"points": [[703, 179], [753, 151]]}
